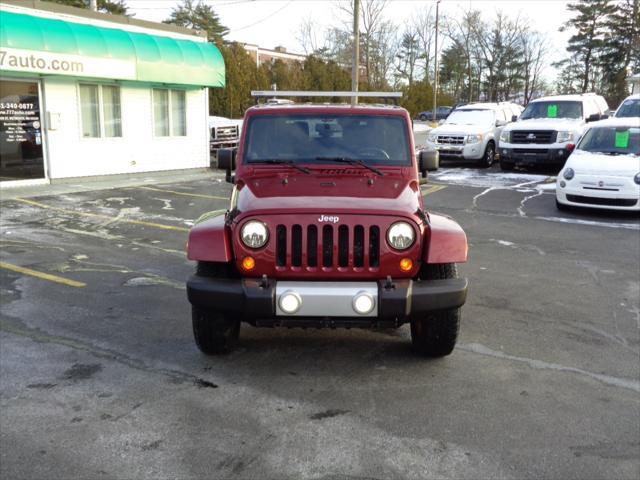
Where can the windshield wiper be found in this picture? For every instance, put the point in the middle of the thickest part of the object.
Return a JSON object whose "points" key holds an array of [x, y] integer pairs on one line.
{"points": [[351, 161], [280, 161]]}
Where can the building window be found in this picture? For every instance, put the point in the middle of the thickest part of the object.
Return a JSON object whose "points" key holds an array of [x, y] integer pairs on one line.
{"points": [[100, 111], [169, 113]]}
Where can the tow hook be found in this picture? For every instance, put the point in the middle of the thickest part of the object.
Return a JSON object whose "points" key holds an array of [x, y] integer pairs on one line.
{"points": [[264, 282], [389, 285]]}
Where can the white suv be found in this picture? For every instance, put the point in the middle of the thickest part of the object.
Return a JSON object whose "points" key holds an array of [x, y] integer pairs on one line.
{"points": [[471, 132], [548, 129], [630, 107]]}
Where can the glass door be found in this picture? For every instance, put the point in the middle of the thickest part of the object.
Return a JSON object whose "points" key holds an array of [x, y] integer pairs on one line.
{"points": [[21, 131]]}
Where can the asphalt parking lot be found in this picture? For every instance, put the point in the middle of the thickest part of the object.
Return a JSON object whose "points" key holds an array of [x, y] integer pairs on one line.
{"points": [[100, 376]]}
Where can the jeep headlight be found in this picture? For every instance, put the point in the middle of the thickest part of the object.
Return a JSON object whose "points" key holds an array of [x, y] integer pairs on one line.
{"points": [[254, 234], [432, 137], [505, 136], [474, 138], [401, 235], [564, 137]]}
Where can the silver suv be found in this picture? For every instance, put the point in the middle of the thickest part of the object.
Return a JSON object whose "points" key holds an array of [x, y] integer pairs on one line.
{"points": [[548, 129], [471, 132]]}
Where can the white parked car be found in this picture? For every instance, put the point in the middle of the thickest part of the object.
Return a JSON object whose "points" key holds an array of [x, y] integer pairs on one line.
{"points": [[471, 132], [630, 107], [604, 169], [548, 129]]}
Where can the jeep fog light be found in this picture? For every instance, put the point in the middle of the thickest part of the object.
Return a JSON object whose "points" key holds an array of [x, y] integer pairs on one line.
{"points": [[401, 235], [363, 303], [406, 264], [290, 302], [254, 234]]}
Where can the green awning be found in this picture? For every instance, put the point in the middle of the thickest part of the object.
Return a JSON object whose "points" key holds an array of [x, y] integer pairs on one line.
{"points": [[30, 43]]}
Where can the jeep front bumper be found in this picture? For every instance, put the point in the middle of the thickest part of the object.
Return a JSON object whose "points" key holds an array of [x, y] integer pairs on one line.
{"points": [[329, 304]]}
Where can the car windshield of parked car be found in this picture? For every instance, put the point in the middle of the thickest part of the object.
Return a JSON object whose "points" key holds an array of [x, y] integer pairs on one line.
{"points": [[318, 138], [611, 140], [551, 109], [471, 117], [629, 108]]}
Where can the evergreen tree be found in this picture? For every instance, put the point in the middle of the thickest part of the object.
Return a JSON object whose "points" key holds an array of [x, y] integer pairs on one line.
{"points": [[198, 16], [115, 7], [590, 25]]}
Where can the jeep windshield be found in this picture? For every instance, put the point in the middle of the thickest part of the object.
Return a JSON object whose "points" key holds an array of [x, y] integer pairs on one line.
{"points": [[469, 116], [319, 138], [550, 109], [611, 140]]}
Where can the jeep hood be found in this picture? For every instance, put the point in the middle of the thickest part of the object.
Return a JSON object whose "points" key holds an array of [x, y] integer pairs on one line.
{"points": [[359, 193]]}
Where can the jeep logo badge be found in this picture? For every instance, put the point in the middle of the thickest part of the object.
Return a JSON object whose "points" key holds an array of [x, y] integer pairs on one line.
{"points": [[329, 218], [531, 136]]}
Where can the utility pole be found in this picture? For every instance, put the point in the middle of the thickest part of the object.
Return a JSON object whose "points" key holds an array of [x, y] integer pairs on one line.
{"points": [[435, 73], [355, 68], [93, 5]]}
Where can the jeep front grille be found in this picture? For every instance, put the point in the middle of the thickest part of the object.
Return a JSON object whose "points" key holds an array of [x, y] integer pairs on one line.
{"points": [[331, 247], [533, 136]]}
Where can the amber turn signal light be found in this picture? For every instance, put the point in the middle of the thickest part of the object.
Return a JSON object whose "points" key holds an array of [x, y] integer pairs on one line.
{"points": [[248, 263], [406, 264]]}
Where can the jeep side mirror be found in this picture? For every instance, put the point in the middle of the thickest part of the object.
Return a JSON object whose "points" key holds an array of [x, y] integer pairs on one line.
{"points": [[514, 118], [593, 117], [428, 160], [227, 161]]}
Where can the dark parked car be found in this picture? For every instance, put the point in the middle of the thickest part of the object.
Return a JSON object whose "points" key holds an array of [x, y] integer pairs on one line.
{"points": [[441, 114]]}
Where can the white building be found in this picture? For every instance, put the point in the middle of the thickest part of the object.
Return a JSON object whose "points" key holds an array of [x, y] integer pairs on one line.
{"points": [[87, 94]]}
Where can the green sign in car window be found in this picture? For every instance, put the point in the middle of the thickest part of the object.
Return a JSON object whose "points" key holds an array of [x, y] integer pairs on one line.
{"points": [[552, 111], [622, 139]]}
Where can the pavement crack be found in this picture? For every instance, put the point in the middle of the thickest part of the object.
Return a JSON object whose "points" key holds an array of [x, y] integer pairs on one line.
{"points": [[542, 365], [43, 337]]}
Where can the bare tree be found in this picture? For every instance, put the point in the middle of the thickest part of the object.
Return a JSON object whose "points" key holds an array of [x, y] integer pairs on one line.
{"points": [[310, 36], [372, 20], [535, 49], [423, 25]]}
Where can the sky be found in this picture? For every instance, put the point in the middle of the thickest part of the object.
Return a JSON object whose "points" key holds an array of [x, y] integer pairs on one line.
{"points": [[271, 23]]}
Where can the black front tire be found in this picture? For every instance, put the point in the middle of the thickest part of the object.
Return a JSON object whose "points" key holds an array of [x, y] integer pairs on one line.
{"points": [[562, 207], [506, 166], [489, 155], [214, 332], [435, 334], [423, 118]]}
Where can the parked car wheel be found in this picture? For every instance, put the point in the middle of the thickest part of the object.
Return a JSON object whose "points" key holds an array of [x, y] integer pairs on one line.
{"points": [[506, 166], [489, 155], [435, 335], [423, 117]]}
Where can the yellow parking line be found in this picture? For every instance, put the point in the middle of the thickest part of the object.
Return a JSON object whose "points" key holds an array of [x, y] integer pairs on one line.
{"points": [[42, 275], [198, 195], [106, 217], [433, 189]]}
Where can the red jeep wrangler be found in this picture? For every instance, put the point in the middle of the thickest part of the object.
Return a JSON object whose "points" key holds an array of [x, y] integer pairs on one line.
{"points": [[326, 228]]}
